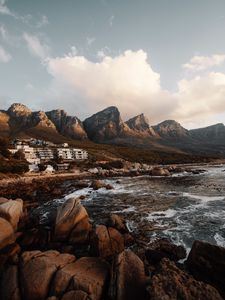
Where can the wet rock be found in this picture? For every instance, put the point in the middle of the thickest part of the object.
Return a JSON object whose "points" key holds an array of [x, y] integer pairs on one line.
{"points": [[170, 283], [106, 242], [76, 295], [159, 172], [97, 184], [207, 263], [6, 233], [9, 288], [127, 277], [12, 211], [118, 223], [37, 271], [72, 222], [164, 248], [90, 275]]}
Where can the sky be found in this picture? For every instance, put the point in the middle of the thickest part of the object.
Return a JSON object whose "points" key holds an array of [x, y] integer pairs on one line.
{"points": [[163, 58]]}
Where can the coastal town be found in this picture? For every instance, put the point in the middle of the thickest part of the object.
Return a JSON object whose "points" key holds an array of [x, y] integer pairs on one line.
{"points": [[37, 152]]}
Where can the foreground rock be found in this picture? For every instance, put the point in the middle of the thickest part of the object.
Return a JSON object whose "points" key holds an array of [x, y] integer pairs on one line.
{"points": [[127, 278], [91, 275], [72, 222], [106, 242], [37, 271], [11, 210], [207, 263], [163, 248], [6, 233], [170, 283]]}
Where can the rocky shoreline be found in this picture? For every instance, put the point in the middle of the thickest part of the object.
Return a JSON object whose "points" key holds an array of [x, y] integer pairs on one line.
{"points": [[75, 258]]}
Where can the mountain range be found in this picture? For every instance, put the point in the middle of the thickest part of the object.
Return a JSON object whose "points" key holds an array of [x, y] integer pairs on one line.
{"points": [[107, 127]]}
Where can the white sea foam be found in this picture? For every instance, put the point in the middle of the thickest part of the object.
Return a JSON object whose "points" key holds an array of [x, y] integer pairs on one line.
{"points": [[169, 213], [219, 240], [203, 198], [126, 210]]}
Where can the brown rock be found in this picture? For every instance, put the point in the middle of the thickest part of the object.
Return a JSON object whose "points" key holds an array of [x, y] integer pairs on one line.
{"points": [[107, 242], [159, 172], [76, 295], [127, 278], [97, 184], [6, 233], [9, 289], [72, 222], [163, 248], [170, 283], [207, 263], [91, 275], [12, 211], [37, 271], [117, 222], [62, 279]]}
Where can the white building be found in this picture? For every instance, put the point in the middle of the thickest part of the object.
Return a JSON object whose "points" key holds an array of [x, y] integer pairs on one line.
{"points": [[80, 154], [44, 154], [72, 154], [29, 153]]}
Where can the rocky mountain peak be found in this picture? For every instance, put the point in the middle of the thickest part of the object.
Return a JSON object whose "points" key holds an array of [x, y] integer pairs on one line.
{"points": [[139, 122], [18, 109], [67, 125], [171, 129], [105, 125]]}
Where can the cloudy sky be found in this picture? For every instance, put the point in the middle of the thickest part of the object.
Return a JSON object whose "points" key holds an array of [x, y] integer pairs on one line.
{"points": [[163, 58]]}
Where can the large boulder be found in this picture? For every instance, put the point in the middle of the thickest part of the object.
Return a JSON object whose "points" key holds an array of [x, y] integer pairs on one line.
{"points": [[6, 233], [62, 279], [9, 288], [90, 276], [106, 242], [163, 248], [171, 283], [127, 278], [37, 271], [72, 222], [207, 263], [12, 211]]}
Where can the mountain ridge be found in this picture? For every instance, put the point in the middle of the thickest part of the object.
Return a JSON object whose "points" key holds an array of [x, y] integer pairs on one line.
{"points": [[107, 127]]}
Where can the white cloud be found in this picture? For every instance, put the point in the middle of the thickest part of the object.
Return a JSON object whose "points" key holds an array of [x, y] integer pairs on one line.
{"points": [[3, 32], [42, 22], [129, 82], [111, 19], [4, 9], [200, 63], [200, 97], [90, 41], [4, 55], [35, 46]]}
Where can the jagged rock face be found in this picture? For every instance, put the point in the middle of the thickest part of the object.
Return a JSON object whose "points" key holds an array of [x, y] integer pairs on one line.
{"points": [[67, 125], [20, 115], [171, 129], [40, 119], [140, 124], [105, 125], [210, 134]]}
